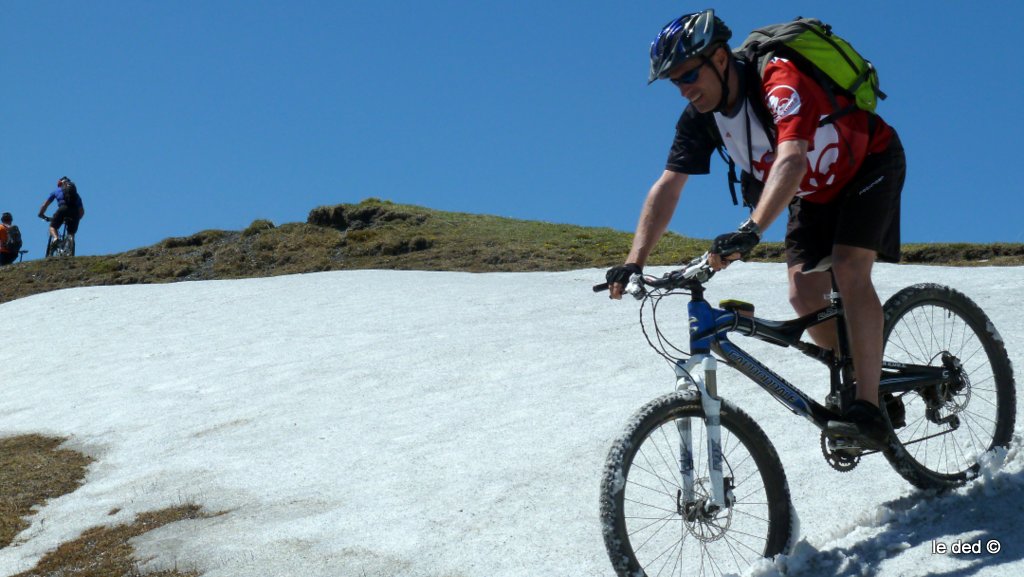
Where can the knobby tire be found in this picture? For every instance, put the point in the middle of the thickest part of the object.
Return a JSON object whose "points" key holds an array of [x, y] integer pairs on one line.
{"points": [[922, 324], [644, 532]]}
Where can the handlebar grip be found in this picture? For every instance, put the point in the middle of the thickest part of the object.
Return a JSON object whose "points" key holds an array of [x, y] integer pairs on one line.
{"points": [[600, 288]]}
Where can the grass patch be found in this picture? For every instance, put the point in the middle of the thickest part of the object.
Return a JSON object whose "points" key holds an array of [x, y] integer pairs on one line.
{"points": [[106, 552], [105, 265], [257, 227], [33, 470]]}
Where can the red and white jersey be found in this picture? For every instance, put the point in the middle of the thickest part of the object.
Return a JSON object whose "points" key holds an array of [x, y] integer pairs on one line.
{"points": [[836, 150], [797, 104], [741, 145]]}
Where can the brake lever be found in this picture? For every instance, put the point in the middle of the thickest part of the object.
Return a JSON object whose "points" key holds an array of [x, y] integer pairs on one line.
{"points": [[636, 287]]}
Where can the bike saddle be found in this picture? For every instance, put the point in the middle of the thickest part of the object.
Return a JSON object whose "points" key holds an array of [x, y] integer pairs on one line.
{"points": [[822, 265]]}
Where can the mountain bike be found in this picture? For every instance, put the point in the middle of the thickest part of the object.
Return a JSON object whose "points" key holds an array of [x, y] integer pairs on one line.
{"points": [[693, 483], [63, 246]]}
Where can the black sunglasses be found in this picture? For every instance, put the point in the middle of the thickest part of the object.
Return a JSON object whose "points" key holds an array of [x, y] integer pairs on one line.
{"points": [[690, 76]]}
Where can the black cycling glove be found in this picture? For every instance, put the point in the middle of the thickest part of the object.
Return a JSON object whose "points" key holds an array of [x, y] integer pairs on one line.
{"points": [[742, 241], [622, 273]]}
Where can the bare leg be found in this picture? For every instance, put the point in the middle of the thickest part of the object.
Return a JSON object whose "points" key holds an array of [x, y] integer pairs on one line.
{"points": [[807, 293], [864, 320]]}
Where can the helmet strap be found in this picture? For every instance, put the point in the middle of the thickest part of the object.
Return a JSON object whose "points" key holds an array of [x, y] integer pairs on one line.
{"points": [[723, 103]]}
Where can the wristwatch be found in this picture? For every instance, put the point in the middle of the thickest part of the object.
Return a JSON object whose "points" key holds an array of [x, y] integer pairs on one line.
{"points": [[750, 226]]}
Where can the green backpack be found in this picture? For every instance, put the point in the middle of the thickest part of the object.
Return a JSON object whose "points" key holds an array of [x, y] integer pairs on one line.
{"points": [[834, 64], [832, 61]]}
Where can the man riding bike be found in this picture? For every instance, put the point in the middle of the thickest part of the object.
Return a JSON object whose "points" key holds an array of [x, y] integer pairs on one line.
{"points": [[841, 180], [69, 210]]}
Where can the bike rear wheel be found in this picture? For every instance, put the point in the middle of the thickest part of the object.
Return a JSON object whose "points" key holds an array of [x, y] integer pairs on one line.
{"points": [[647, 530], [947, 427]]}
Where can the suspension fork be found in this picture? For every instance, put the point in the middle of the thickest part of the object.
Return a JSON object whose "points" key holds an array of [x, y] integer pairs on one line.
{"points": [[705, 380]]}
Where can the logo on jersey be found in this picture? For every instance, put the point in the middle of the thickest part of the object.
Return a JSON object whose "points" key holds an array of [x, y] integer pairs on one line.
{"points": [[783, 101], [822, 167]]}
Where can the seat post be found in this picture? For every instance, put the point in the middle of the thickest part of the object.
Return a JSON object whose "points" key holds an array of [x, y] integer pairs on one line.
{"points": [[844, 357]]}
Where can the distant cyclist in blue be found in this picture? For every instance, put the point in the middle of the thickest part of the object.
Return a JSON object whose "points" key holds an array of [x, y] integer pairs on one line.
{"points": [[69, 209]]}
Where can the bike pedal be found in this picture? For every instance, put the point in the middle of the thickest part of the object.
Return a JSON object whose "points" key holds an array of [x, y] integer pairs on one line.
{"points": [[847, 435], [845, 445]]}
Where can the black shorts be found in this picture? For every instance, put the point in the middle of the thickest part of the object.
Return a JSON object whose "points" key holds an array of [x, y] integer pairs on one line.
{"points": [[866, 214], [65, 214]]}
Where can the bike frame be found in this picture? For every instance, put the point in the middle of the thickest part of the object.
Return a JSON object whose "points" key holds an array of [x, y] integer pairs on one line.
{"points": [[709, 329], [62, 234]]}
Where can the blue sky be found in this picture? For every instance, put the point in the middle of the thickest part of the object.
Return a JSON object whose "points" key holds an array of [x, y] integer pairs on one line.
{"points": [[176, 117]]}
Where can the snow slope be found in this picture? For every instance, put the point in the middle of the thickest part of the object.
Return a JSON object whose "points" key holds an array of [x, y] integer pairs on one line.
{"points": [[387, 423]]}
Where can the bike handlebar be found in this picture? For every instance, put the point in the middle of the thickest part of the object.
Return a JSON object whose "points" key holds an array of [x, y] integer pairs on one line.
{"points": [[696, 271]]}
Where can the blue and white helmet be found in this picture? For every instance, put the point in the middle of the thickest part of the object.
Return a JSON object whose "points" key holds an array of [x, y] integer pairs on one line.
{"points": [[685, 37]]}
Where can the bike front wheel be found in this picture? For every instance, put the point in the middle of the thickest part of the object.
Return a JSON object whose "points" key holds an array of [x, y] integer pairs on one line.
{"points": [[650, 529], [943, 430]]}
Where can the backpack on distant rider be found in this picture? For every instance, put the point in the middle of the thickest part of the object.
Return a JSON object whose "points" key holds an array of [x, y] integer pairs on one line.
{"points": [[13, 238], [71, 197], [830, 60]]}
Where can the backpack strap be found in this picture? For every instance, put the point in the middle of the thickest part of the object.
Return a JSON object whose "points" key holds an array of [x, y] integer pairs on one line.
{"points": [[827, 85], [716, 138], [733, 179], [755, 99]]}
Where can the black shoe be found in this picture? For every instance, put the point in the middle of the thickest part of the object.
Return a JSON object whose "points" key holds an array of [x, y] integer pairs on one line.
{"points": [[896, 410], [863, 424]]}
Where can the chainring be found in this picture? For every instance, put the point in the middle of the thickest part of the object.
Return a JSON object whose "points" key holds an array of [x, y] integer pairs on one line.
{"points": [[839, 459]]}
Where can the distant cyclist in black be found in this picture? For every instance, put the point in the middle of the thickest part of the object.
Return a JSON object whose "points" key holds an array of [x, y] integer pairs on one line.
{"points": [[69, 209]]}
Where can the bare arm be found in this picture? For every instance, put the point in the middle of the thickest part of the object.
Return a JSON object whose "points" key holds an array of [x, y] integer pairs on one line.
{"points": [[42, 209], [655, 217], [783, 182]]}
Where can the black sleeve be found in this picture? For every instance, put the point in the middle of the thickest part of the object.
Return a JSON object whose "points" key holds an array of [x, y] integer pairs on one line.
{"points": [[696, 138]]}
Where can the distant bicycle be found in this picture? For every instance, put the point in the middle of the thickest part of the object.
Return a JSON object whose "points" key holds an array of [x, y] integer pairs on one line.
{"points": [[63, 246]]}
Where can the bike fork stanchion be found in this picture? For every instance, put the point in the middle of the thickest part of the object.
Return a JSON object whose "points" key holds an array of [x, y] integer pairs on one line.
{"points": [[683, 383], [706, 383], [686, 459], [712, 415]]}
